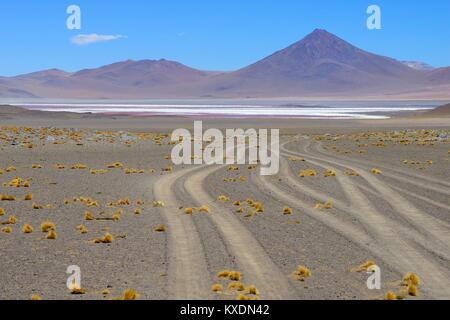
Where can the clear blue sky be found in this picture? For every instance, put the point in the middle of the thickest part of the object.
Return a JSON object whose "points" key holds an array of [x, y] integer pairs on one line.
{"points": [[212, 34]]}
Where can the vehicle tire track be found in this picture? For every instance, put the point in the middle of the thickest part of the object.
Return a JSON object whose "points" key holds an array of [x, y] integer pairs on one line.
{"points": [[361, 201], [436, 228], [188, 271], [414, 179], [400, 249], [253, 260], [437, 280]]}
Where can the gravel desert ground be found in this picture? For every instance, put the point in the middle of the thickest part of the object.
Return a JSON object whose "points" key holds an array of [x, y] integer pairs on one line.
{"points": [[349, 194]]}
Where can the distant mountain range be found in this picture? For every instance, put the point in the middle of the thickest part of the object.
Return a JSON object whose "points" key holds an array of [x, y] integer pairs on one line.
{"points": [[320, 65]]}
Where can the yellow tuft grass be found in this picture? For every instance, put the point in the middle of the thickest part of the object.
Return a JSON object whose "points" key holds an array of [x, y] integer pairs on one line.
{"points": [[98, 171], [5, 197], [91, 203], [12, 220], [2, 212], [302, 273], [82, 229], [107, 238], [47, 226], [158, 204], [391, 296], [27, 229], [307, 173], [237, 203], [188, 210], [318, 206], [258, 207], [116, 216], [88, 216], [412, 290], [250, 201], [137, 211], [223, 198], [130, 294], [51, 235], [35, 297], [28, 197], [287, 210], [115, 165], [133, 171], [364, 267], [243, 297], [217, 287], [223, 274], [36, 166], [36, 206], [238, 286], [234, 275], [376, 171], [75, 289], [330, 173], [252, 290], [328, 205], [240, 210], [160, 228], [203, 209], [79, 166], [411, 278], [121, 202], [6, 229]]}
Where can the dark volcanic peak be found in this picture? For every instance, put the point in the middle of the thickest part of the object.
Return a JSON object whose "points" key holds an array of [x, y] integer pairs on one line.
{"points": [[321, 63], [321, 49]]}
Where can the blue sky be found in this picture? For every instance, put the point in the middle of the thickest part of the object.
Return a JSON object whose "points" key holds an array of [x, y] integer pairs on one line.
{"points": [[212, 34]]}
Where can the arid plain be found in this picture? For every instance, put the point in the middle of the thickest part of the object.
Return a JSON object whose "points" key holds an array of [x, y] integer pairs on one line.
{"points": [[102, 193]]}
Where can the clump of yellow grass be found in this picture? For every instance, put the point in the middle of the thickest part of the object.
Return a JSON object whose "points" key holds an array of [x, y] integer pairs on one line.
{"points": [[302, 273], [307, 173], [364, 267], [27, 229], [47, 226], [51, 235], [160, 228], [158, 203], [107, 238]]}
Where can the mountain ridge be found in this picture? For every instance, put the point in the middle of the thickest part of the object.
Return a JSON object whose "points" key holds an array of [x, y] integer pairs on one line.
{"points": [[320, 64]]}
